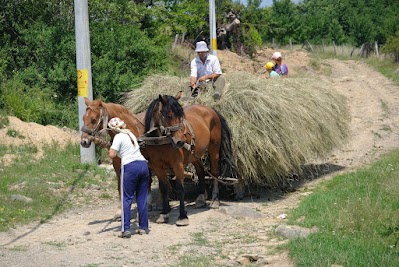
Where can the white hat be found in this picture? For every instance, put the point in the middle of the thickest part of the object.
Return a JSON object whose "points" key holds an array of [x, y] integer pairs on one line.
{"points": [[201, 47], [116, 124], [276, 55]]}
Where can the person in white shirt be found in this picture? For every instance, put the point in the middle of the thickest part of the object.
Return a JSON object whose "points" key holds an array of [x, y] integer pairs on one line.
{"points": [[134, 176], [205, 68]]}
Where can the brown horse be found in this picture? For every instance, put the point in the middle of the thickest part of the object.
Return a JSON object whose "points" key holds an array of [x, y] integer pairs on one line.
{"points": [[192, 131], [95, 122]]}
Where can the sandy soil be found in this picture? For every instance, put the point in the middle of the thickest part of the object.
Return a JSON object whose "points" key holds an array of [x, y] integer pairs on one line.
{"points": [[87, 236]]}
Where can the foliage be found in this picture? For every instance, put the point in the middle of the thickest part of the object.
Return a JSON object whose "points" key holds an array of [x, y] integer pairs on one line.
{"points": [[131, 39], [34, 103], [251, 39], [392, 46], [357, 218]]}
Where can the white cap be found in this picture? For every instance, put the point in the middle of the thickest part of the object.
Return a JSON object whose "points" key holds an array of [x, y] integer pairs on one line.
{"points": [[201, 47], [276, 55], [116, 123]]}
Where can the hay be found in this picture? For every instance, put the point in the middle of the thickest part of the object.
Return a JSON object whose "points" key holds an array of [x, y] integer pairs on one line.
{"points": [[278, 125]]}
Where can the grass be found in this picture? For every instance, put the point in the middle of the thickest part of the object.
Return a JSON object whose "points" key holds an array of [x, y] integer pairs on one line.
{"points": [[358, 218], [15, 133], [51, 183]]}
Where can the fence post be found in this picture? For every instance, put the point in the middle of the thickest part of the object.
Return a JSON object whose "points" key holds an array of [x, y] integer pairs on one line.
{"points": [[290, 44], [176, 38], [361, 50], [182, 38], [353, 50], [322, 41], [342, 49], [376, 49], [335, 49], [311, 48]]}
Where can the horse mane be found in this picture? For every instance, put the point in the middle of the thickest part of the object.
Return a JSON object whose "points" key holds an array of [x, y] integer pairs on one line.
{"points": [[148, 114], [171, 104]]}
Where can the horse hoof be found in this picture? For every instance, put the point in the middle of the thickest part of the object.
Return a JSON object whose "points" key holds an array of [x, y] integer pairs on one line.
{"points": [[182, 222], [163, 218], [215, 204], [200, 202]]}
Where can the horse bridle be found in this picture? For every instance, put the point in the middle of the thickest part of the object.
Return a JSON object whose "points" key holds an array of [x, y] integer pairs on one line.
{"points": [[103, 118], [168, 130]]}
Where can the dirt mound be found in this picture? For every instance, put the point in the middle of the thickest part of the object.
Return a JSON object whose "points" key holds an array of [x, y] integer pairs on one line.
{"points": [[298, 61], [19, 133]]}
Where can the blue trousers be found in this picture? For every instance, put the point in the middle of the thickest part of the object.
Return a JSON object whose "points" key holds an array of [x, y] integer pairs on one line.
{"points": [[134, 181]]}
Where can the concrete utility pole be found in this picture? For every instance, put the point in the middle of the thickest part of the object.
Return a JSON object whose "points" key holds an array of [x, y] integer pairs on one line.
{"points": [[212, 26], [83, 66]]}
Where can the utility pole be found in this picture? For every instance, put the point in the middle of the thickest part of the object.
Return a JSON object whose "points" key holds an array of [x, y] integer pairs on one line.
{"points": [[212, 26], [83, 66]]}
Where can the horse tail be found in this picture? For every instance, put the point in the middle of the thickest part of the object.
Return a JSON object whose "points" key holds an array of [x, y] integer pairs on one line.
{"points": [[226, 163]]}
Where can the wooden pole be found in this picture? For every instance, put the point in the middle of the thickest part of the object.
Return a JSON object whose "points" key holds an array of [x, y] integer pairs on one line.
{"points": [[83, 66]]}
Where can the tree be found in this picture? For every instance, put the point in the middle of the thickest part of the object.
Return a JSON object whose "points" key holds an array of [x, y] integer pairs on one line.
{"points": [[392, 46]]}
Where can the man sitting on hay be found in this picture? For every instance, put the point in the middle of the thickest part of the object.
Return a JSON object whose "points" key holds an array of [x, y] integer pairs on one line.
{"points": [[206, 70]]}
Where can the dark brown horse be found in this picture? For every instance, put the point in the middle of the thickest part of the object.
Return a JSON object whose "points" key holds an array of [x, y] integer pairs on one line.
{"points": [[192, 131], [95, 122]]}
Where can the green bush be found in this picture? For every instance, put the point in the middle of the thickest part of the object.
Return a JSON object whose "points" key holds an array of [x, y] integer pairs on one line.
{"points": [[35, 104], [392, 46]]}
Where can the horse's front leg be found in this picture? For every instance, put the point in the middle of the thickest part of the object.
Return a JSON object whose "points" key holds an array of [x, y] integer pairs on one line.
{"points": [[164, 191], [179, 172]]}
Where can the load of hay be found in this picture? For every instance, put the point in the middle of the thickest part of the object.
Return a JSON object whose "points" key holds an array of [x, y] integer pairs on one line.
{"points": [[278, 125]]}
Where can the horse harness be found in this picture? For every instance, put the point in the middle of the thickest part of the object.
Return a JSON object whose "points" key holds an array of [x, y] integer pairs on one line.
{"points": [[97, 134]]}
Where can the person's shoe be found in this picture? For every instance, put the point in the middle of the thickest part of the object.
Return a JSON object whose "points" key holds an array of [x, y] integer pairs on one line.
{"points": [[142, 232], [126, 234], [194, 93], [216, 96]]}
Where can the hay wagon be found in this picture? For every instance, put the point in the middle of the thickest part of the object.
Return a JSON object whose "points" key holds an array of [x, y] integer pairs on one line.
{"points": [[278, 125]]}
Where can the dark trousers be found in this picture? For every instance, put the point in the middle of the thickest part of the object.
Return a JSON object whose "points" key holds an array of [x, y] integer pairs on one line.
{"points": [[134, 182]]}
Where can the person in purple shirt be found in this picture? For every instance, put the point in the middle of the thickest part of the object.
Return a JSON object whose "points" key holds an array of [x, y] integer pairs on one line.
{"points": [[279, 67]]}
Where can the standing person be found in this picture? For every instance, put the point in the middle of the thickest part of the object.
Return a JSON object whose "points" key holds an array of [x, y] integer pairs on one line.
{"points": [[270, 69], [134, 176], [205, 68], [279, 67]]}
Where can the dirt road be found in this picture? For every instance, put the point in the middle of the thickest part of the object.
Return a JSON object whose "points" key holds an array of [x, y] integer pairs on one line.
{"points": [[86, 237]]}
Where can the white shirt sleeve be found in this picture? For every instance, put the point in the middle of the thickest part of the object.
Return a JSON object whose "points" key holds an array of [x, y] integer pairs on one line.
{"points": [[216, 66], [193, 68]]}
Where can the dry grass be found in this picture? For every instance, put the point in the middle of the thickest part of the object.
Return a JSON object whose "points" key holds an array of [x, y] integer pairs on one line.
{"points": [[278, 125]]}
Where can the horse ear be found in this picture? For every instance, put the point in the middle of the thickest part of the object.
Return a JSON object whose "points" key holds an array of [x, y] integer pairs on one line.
{"points": [[100, 101], [87, 101], [163, 99], [178, 96]]}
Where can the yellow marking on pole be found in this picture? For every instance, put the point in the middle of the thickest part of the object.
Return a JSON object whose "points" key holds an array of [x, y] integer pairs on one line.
{"points": [[83, 82], [214, 44]]}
